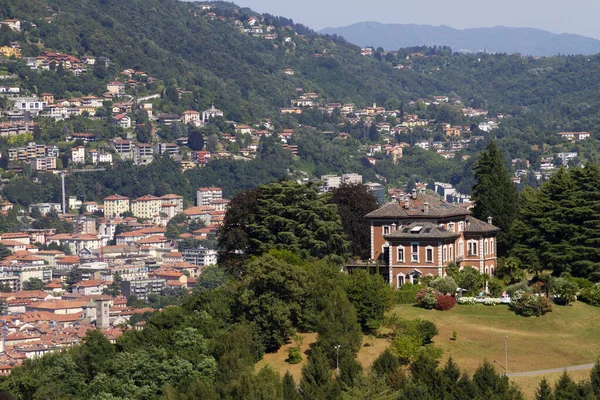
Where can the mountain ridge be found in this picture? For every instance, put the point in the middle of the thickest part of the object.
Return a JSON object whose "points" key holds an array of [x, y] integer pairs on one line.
{"points": [[497, 39]]}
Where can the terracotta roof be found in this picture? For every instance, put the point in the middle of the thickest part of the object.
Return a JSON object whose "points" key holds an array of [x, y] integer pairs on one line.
{"points": [[58, 304], [424, 206], [152, 239], [115, 197], [90, 283], [477, 226]]}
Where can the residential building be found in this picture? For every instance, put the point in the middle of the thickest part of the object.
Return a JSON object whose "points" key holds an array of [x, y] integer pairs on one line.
{"points": [[146, 206], [78, 155], [124, 148], [192, 118], [115, 87], [422, 234], [115, 206], [565, 158], [141, 288], [175, 200], [123, 121], [377, 190], [571, 136], [45, 208], [351, 179], [33, 105], [331, 182], [200, 256], [144, 153], [205, 195], [212, 112]]}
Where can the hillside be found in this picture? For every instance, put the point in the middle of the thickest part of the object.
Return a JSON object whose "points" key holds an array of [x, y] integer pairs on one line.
{"points": [[499, 39], [240, 73]]}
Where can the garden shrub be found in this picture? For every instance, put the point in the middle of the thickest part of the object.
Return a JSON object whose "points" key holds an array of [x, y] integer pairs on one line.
{"points": [[407, 293], [446, 285], [491, 301], [591, 295], [427, 298], [445, 302], [294, 355], [496, 287], [467, 301], [529, 305], [521, 286]]}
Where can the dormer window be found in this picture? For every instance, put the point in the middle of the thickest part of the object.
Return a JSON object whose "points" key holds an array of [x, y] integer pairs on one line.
{"points": [[386, 230]]}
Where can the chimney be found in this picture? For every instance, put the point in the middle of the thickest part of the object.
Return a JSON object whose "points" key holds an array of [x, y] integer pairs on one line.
{"points": [[407, 204], [394, 226], [426, 208], [414, 194], [374, 105], [490, 220]]}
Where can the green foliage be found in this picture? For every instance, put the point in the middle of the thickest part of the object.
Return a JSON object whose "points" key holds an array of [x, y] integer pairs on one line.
{"points": [[557, 223], [33, 284], [407, 293], [494, 194], [445, 285], [520, 286], [353, 203], [427, 298], [565, 290], [371, 296], [529, 305], [591, 295], [544, 391], [284, 215], [469, 279], [294, 355]]}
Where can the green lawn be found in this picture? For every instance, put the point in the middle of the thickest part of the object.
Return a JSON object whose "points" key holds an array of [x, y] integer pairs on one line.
{"points": [[566, 336]]}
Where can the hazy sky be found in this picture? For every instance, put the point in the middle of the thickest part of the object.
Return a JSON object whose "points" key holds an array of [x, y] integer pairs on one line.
{"points": [[559, 16]]}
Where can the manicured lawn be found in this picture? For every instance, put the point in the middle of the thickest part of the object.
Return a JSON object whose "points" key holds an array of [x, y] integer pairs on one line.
{"points": [[566, 336]]}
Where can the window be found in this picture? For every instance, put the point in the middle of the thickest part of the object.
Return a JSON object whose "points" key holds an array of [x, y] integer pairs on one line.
{"points": [[461, 226], [492, 246], [472, 248], [451, 252], [486, 247], [451, 226], [400, 254], [386, 230], [445, 253], [415, 252], [429, 254]]}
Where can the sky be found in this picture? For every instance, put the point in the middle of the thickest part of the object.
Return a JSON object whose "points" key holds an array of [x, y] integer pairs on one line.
{"points": [[558, 16]]}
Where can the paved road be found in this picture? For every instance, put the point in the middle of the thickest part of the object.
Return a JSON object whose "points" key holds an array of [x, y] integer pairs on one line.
{"points": [[554, 370]]}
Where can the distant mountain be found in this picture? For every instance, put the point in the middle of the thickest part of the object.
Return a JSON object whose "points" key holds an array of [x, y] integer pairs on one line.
{"points": [[498, 39]]}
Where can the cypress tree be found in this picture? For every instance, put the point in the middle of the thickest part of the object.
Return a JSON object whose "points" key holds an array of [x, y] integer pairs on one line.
{"points": [[494, 194], [565, 388], [316, 380]]}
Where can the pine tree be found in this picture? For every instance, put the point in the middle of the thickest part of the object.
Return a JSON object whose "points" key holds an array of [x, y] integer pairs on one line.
{"points": [[494, 194], [290, 392], [565, 388], [544, 391], [595, 378], [316, 381]]}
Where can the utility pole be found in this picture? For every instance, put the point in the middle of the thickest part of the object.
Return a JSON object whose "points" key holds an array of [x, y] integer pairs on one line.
{"points": [[337, 359], [506, 355]]}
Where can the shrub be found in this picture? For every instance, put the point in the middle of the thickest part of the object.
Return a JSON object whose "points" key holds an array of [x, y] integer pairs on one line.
{"points": [[445, 302], [446, 285], [407, 293], [454, 335], [467, 301], [529, 305], [491, 301], [427, 329], [495, 287], [427, 298], [591, 295], [521, 286], [294, 355]]}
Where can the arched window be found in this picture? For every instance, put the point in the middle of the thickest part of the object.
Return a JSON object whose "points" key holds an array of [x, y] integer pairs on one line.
{"points": [[461, 226], [461, 248], [401, 254], [486, 247]]}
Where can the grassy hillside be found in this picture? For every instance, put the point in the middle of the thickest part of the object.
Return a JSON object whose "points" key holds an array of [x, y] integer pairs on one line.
{"points": [[243, 74]]}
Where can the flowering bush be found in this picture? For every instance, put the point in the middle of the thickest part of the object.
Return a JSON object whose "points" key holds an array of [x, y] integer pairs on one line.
{"points": [[491, 301], [445, 302], [427, 298], [528, 305], [468, 301]]}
